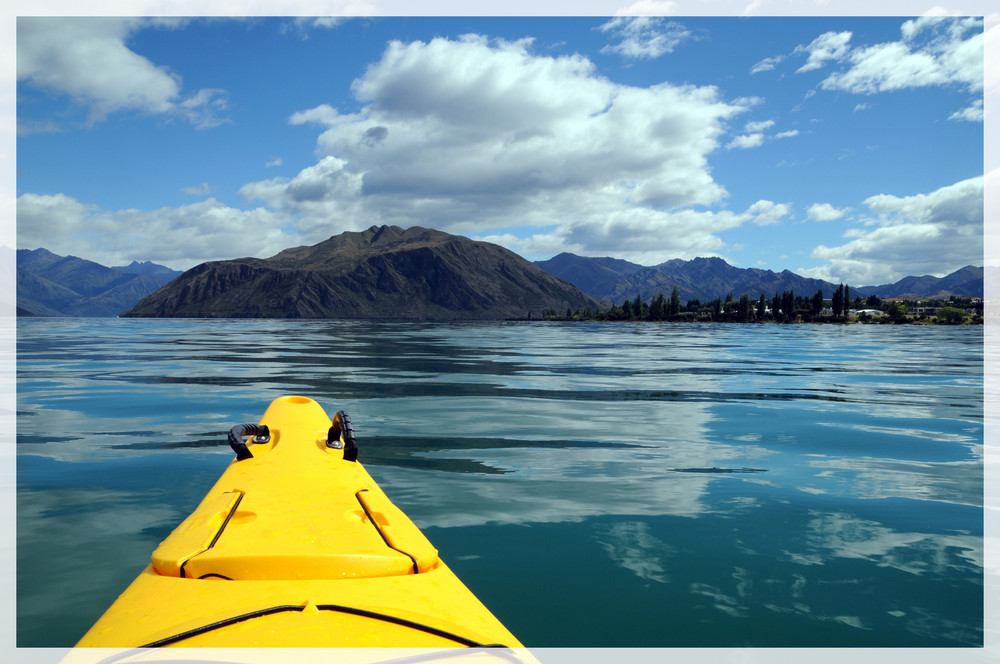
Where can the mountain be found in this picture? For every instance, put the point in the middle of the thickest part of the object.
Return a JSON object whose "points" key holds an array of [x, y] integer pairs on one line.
{"points": [[698, 279], [53, 285], [149, 268], [966, 282], [708, 278], [383, 272], [588, 274]]}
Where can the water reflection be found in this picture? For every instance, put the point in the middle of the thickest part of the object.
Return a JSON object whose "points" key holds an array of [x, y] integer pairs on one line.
{"points": [[836, 534], [741, 478], [631, 545]]}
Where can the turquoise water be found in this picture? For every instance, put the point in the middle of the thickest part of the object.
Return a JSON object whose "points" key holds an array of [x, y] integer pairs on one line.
{"points": [[600, 485]]}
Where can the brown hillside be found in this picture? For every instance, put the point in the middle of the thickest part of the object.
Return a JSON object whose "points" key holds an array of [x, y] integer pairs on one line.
{"points": [[383, 272]]}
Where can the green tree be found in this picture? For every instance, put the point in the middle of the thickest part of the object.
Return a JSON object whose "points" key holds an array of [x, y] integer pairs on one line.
{"points": [[838, 300], [788, 305], [744, 308], [658, 307], [675, 302], [897, 311], [817, 302], [950, 316]]}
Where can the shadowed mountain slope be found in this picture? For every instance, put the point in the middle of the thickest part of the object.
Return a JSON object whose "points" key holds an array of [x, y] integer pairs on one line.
{"points": [[708, 278], [383, 272], [53, 285]]}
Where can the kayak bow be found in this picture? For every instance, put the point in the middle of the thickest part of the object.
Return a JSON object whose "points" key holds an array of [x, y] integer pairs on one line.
{"points": [[297, 546]]}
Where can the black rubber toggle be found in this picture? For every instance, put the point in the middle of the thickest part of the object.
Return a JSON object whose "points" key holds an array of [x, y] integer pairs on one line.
{"points": [[342, 427], [236, 438]]}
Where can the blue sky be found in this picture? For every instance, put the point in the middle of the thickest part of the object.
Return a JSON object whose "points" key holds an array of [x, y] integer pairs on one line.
{"points": [[846, 148]]}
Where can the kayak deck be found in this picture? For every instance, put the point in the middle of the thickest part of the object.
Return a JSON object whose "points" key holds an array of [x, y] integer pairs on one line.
{"points": [[297, 546]]}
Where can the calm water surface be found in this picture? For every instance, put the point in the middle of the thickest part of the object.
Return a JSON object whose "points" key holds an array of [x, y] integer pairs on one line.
{"points": [[594, 484]]}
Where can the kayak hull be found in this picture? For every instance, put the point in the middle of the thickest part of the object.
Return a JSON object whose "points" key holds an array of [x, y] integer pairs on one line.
{"points": [[297, 546]]}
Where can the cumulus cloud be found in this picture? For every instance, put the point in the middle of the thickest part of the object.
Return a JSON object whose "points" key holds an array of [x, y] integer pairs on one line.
{"points": [[474, 135], [766, 213], [87, 59], [644, 36], [324, 114], [203, 231], [933, 233], [973, 113], [933, 51], [642, 235], [746, 141], [824, 212]]}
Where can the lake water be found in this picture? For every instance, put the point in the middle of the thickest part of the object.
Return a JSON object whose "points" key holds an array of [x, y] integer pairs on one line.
{"points": [[598, 485]]}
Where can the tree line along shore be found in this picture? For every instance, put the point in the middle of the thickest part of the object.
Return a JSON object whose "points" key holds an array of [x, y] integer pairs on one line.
{"points": [[786, 307]]}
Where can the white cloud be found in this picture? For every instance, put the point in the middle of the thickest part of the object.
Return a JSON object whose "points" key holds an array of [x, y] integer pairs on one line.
{"points": [[746, 141], [29, 126], [318, 194], [644, 36], [641, 235], [475, 135], [277, 161], [87, 59], [324, 114], [766, 213], [759, 126], [974, 113], [828, 46], [203, 231], [934, 51], [755, 135], [202, 189], [824, 212], [933, 233], [767, 64]]}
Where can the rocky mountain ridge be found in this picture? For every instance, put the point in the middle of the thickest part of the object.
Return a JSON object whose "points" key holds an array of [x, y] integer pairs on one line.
{"points": [[383, 272], [705, 279], [53, 285]]}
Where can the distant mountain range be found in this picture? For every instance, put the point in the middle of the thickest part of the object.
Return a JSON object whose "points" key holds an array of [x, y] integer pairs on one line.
{"points": [[417, 273], [53, 285], [383, 272], [705, 279]]}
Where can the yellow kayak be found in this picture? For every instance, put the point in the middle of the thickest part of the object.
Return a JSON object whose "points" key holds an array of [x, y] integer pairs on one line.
{"points": [[297, 546]]}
